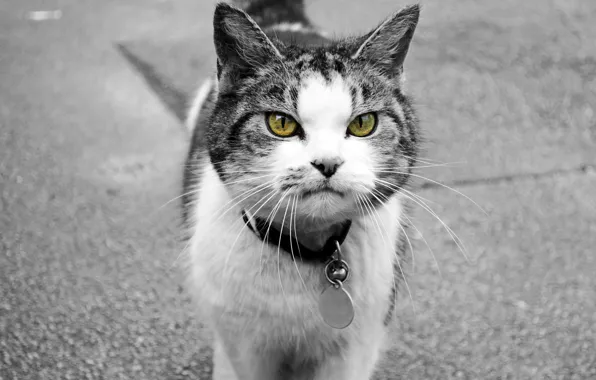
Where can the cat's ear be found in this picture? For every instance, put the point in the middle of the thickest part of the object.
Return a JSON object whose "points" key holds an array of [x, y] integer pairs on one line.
{"points": [[239, 42], [388, 44]]}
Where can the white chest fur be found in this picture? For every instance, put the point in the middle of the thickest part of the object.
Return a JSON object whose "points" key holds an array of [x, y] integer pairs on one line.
{"points": [[254, 289]]}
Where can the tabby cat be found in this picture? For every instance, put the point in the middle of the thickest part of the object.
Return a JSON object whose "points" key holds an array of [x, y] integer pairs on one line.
{"points": [[294, 197]]}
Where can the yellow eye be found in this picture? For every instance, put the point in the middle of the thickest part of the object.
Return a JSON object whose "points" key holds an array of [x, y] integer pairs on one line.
{"points": [[363, 125], [281, 125]]}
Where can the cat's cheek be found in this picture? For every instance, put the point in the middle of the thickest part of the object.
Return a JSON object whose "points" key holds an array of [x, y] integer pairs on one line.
{"points": [[358, 170], [355, 177], [289, 157]]}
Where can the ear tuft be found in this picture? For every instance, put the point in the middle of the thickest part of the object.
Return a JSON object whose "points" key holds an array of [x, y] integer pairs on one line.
{"points": [[388, 44], [239, 41]]}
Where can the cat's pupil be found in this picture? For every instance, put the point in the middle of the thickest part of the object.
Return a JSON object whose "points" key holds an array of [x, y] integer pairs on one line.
{"points": [[280, 121]]}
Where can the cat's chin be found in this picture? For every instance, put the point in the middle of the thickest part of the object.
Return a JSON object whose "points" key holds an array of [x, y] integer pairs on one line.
{"points": [[327, 206]]}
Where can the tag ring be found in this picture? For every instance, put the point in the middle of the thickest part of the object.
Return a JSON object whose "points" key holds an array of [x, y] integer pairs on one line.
{"points": [[337, 264]]}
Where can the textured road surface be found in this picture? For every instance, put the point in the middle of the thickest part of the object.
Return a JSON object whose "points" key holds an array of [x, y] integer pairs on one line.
{"points": [[90, 154]]}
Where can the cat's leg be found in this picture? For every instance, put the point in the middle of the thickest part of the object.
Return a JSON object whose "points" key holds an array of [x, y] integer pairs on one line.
{"points": [[235, 358], [358, 361]]}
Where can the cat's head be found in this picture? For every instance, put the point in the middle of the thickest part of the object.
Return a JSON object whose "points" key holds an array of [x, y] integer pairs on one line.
{"points": [[324, 130]]}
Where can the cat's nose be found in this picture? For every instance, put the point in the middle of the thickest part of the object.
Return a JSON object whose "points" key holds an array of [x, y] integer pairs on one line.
{"points": [[327, 166]]}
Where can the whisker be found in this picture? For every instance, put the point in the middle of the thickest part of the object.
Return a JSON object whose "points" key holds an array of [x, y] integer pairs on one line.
{"points": [[399, 188], [293, 214], [248, 179], [244, 224], [420, 159], [296, 233], [427, 208], [398, 223], [420, 201], [447, 164], [426, 243], [442, 185], [249, 190], [178, 197], [179, 255], [279, 254], [245, 194], [269, 219], [397, 261], [246, 171], [377, 220], [358, 203], [453, 235]]}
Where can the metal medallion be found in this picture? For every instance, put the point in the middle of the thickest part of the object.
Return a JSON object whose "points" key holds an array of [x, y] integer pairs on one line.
{"points": [[336, 306]]}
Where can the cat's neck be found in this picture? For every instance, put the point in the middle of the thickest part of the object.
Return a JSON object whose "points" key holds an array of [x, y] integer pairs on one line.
{"points": [[310, 233]]}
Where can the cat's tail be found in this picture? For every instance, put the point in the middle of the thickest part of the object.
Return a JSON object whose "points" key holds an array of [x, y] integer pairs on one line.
{"points": [[268, 13]]}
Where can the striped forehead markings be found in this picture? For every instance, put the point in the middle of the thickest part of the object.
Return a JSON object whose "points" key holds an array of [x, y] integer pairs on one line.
{"points": [[323, 62]]}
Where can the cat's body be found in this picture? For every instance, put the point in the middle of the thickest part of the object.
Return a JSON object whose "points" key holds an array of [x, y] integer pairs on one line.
{"points": [[261, 300]]}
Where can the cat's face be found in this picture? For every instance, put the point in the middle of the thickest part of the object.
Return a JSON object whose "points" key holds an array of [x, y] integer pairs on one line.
{"points": [[322, 132]]}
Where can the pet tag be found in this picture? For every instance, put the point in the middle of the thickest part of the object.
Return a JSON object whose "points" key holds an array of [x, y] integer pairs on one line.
{"points": [[336, 307], [335, 303]]}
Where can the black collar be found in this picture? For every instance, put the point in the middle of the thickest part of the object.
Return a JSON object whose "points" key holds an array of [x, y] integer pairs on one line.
{"points": [[274, 237]]}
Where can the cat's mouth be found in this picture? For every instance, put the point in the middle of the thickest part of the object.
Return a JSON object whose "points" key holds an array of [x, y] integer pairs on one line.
{"points": [[326, 190]]}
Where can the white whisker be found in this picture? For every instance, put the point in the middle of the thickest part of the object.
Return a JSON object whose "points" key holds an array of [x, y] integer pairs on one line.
{"points": [[295, 228], [293, 215], [427, 245], [427, 208], [399, 224], [244, 224], [248, 179], [244, 195], [269, 219], [178, 197], [397, 261], [279, 254], [394, 167], [440, 184]]}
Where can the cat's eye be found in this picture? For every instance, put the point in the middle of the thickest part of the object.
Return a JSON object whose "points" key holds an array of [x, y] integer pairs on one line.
{"points": [[363, 125], [281, 125]]}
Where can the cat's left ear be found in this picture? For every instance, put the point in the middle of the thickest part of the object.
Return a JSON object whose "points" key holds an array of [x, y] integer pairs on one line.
{"points": [[239, 42], [387, 45]]}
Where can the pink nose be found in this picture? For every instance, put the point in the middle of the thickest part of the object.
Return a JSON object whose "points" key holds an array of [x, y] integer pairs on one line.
{"points": [[327, 166]]}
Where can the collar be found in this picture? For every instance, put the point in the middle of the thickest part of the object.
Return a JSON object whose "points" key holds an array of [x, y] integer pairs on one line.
{"points": [[291, 245]]}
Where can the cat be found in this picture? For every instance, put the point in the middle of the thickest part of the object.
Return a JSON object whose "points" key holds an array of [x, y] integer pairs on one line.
{"points": [[294, 192]]}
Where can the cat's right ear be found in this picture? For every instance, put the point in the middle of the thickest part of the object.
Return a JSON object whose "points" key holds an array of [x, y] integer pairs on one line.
{"points": [[239, 42], [388, 44]]}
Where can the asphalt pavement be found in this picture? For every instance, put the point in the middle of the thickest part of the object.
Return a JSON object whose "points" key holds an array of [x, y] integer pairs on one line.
{"points": [[91, 149]]}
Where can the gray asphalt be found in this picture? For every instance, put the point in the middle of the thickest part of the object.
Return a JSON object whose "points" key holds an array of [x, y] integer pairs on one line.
{"points": [[91, 152]]}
